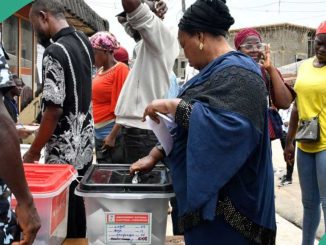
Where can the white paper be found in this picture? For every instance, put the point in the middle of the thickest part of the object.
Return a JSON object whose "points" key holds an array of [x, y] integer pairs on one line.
{"points": [[168, 120], [162, 131], [31, 128]]}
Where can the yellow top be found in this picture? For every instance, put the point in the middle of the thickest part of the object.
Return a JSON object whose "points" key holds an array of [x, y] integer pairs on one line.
{"points": [[311, 98]]}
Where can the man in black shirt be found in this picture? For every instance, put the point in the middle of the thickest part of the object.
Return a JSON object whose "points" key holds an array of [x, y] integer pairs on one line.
{"points": [[66, 129], [9, 98], [12, 106]]}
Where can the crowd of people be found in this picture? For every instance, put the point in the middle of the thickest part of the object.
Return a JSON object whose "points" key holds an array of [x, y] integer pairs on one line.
{"points": [[221, 160]]}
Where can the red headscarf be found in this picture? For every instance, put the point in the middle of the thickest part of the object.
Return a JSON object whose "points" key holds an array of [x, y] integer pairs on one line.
{"points": [[321, 28], [121, 55], [243, 34]]}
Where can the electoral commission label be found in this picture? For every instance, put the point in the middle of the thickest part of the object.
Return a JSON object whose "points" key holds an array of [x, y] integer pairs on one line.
{"points": [[133, 228], [9, 7]]}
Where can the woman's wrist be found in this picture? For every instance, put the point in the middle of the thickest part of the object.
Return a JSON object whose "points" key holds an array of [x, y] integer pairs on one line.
{"points": [[183, 112], [157, 154], [270, 68]]}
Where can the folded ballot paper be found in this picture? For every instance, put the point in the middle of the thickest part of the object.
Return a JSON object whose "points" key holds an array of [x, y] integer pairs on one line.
{"points": [[162, 130]]}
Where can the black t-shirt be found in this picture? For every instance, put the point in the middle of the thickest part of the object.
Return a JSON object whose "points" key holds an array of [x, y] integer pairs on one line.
{"points": [[67, 83], [12, 108]]}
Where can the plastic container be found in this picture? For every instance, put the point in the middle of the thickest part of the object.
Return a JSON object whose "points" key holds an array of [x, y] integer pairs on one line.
{"points": [[49, 185], [119, 212]]}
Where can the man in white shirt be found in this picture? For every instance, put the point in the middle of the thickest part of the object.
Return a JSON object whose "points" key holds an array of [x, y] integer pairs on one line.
{"points": [[149, 78]]}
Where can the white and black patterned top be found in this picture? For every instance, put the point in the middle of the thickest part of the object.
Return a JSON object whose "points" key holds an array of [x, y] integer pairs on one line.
{"points": [[67, 81]]}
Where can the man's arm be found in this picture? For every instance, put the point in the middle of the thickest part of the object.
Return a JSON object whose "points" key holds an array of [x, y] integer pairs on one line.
{"points": [[156, 36], [48, 124], [12, 173], [53, 98]]}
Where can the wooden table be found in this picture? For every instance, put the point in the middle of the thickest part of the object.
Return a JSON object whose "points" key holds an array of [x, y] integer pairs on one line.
{"points": [[174, 240], [170, 240]]}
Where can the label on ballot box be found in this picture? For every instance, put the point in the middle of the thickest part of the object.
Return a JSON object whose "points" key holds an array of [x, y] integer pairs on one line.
{"points": [[59, 207], [135, 228]]}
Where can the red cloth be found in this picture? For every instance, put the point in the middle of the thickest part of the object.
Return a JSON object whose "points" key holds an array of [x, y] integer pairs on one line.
{"points": [[243, 34], [321, 28], [121, 55], [106, 88]]}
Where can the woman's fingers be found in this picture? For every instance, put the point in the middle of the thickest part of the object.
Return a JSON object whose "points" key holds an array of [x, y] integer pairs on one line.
{"points": [[151, 112]]}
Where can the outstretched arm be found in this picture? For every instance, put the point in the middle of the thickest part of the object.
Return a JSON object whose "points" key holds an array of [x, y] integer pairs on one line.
{"points": [[12, 173], [49, 123]]}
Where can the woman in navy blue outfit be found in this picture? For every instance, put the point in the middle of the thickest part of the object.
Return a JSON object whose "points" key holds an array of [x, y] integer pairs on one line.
{"points": [[221, 160]]}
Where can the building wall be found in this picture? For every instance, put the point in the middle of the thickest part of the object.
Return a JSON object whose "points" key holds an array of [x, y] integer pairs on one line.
{"points": [[180, 65], [288, 43]]}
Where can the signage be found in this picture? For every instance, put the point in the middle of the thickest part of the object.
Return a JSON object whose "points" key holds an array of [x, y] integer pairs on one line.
{"points": [[133, 228]]}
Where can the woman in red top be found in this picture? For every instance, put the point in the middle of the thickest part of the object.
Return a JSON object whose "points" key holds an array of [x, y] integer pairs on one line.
{"points": [[106, 88]]}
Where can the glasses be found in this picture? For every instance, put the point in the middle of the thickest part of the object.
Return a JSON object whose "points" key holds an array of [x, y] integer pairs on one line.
{"points": [[257, 46]]}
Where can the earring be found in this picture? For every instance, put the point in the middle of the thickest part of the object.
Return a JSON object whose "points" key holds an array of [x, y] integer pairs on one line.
{"points": [[201, 46]]}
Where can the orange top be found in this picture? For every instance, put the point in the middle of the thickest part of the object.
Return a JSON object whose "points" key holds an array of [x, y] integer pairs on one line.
{"points": [[106, 88]]}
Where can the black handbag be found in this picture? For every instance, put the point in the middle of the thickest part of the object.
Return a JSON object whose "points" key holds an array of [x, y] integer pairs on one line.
{"points": [[308, 130]]}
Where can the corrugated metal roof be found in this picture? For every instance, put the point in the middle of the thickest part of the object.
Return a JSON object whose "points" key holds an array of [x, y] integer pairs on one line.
{"points": [[79, 13], [279, 25]]}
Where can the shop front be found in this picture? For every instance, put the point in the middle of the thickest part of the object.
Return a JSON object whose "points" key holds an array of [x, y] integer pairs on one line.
{"points": [[18, 38]]}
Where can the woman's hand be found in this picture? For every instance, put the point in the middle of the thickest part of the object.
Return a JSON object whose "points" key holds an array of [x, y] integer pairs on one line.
{"points": [[288, 153], [164, 106], [266, 57], [143, 165]]}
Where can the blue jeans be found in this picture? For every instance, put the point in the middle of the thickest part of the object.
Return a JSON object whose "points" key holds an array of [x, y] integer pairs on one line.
{"points": [[312, 172]]}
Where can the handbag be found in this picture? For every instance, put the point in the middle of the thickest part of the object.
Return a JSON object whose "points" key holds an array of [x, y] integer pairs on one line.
{"points": [[308, 130], [274, 124], [274, 119]]}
